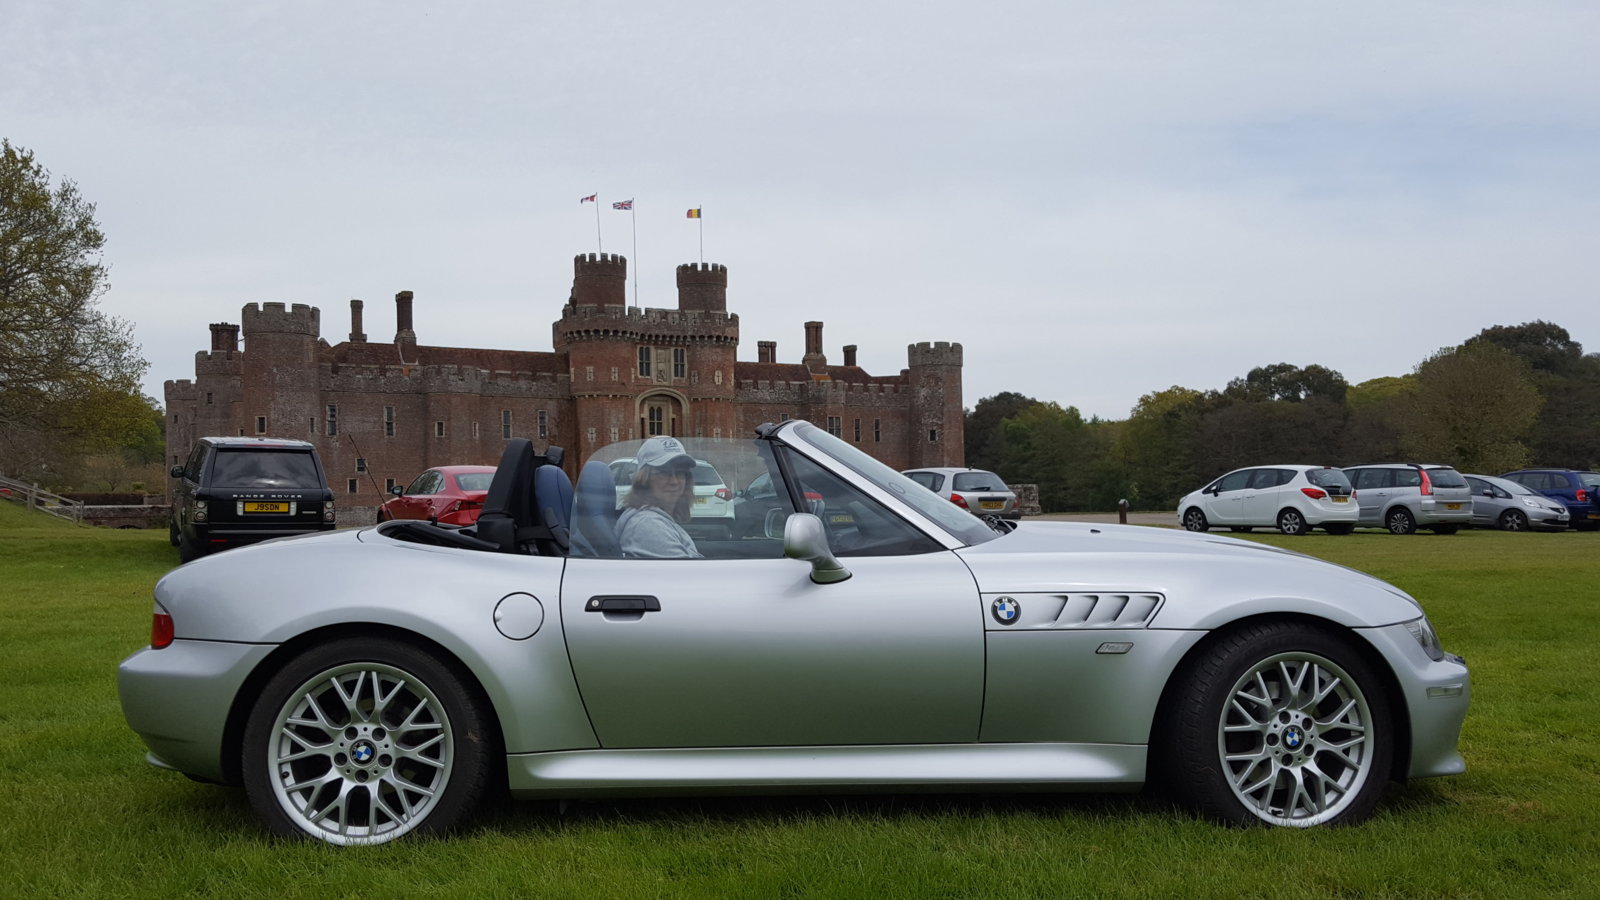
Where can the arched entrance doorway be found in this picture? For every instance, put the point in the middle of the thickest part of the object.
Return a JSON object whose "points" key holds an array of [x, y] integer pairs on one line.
{"points": [[661, 413]]}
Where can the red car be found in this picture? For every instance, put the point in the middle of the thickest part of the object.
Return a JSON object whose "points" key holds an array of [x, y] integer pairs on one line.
{"points": [[449, 495]]}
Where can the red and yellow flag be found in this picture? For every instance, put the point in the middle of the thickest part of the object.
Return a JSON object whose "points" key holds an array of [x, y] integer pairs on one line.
{"points": [[694, 213]]}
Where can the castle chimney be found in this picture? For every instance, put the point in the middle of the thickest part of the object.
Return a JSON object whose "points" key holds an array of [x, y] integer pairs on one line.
{"points": [[849, 354], [405, 338], [224, 337], [814, 360], [766, 351], [356, 334]]}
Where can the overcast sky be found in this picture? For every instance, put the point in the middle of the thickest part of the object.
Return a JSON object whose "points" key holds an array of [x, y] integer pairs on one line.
{"points": [[1098, 200]]}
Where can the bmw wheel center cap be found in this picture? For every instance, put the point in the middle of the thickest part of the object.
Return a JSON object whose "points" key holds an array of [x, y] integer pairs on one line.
{"points": [[1006, 610], [362, 752]]}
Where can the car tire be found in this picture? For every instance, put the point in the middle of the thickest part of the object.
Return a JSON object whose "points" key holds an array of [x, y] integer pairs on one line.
{"points": [[1292, 522], [172, 531], [189, 549], [364, 740], [1195, 520], [1339, 528], [1278, 723], [1400, 521], [1446, 529]]}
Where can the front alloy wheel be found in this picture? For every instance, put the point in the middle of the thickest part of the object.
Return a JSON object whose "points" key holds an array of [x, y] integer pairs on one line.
{"points": [[1282, 724], [1513, 520], [362, 741], [1195, 520]]}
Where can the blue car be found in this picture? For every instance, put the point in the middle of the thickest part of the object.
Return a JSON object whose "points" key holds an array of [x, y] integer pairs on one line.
{"points": [[1578, 491]]}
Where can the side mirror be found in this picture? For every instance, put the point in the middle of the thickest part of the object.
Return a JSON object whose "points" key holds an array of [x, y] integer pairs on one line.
{"points": [[176, 472], [398, 491], [805, 539]]}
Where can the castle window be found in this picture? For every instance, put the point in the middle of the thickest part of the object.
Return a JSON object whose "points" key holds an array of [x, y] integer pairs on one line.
{"points": [[834, 426], [877, 430], [591, 435], [312, 427], [783, 417], [694, 377], [858, 431], [261, 424], [474, 430], [351, 487], [716, 432], [333, 420], [505, 424], [544, 425], [388, 421], [680, 362], [613, 373], [388, 485], [933, 435], [588, 373], [438, 429], [613, 434], [361, 464], [208, 398], [656, 417], [644, 362], [718, 378]]}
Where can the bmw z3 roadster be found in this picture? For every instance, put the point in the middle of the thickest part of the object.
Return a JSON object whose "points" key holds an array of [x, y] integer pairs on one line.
{"points": [[865, 636]]}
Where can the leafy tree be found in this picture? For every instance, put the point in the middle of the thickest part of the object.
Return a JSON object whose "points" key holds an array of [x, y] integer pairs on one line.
{"points": [[985, 435], [69, 373], [1545, 346], [1050, 446], [1282, 381], [1162, 447], [1472, 408]]}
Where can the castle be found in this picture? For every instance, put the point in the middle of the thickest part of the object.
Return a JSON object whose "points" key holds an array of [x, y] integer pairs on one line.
{"points": [[382, 412]]}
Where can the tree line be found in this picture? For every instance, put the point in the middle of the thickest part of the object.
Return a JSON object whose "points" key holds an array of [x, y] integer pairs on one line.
{"points": [[1510, 396]]}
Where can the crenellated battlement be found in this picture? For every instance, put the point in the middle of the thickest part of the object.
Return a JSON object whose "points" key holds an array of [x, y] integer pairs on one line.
{"points": [[937, 353], [703, 273], [279, 318], [606, 265]]}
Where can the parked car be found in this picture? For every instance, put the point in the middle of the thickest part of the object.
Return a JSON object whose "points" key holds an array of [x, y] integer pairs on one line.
{"points": [[1504, 504], [1292, 498], [1403, 497], [916, 648], [452, 495], [1577, 490], [239, 490], [977, 491], [712, 513]]}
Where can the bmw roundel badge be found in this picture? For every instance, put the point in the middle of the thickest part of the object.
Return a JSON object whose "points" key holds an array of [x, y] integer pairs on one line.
{"points": [[1006, 610]]}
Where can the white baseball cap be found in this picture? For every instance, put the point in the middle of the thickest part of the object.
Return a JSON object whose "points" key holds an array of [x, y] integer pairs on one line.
{"points": [[660, 452]]}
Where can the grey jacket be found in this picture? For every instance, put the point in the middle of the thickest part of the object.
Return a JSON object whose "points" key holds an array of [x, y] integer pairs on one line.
{"points": [[649, 532]]}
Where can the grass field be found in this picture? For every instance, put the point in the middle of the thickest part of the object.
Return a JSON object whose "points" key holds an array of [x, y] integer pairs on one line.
{"points": [[84, 816]]}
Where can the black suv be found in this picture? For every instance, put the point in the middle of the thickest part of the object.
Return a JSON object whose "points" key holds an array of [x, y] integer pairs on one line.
{"points": [[240, 490], [1577, 490]]}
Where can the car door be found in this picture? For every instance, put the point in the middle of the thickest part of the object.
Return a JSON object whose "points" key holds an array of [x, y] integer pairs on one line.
{"points": [[1372, 493], [1226, 506], [750, 652], [1259, 502]]}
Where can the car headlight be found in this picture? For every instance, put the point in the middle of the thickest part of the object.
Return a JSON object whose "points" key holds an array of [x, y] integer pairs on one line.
{"points": [[198, 514], [1422, 630], [327, 512], [1530, 502]]}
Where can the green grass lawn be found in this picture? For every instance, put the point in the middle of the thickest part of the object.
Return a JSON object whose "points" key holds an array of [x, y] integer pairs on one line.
{"points": [[84, 815]]}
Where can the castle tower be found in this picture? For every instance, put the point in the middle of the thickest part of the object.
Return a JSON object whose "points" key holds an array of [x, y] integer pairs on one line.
{"points": [[599, 280], [280, 379], [935, 418], [703, 287]]}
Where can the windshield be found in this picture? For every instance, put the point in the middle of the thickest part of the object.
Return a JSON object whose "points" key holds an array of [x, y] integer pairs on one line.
{"points": [[960, 524], [1590, 479], [265, 469], [1511, 487]]}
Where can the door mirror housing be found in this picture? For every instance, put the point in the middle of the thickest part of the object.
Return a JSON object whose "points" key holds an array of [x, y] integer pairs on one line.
{"points": [[398, 491], [176, 472], [805, 539]]}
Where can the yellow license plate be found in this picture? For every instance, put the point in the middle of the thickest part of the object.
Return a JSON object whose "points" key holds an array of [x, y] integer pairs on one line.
{"points": [[993, 504], [1341, 499], [1452, 506], [261, 506], [699, 501], [841, 518]]}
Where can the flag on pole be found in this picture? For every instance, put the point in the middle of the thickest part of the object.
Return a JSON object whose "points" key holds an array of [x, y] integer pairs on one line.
{"points": [[623, 204], [694, 213], [588, 199]]}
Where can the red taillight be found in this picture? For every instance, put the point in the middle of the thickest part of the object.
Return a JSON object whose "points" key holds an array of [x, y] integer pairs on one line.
{"points": [[160, 630], [956, 499], [1583, 496], [1314, 493], [813, 495], [1427, 483], [724, 494]]}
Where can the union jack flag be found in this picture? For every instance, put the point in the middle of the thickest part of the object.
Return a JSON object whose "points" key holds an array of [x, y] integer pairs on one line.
{"points": [[623, 204]]}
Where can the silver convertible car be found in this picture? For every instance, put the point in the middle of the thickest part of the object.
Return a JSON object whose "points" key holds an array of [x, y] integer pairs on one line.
{"points": [[870, 636]]}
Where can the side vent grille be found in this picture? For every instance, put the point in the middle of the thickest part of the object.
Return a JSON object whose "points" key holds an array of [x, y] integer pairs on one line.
{"points": [[1106, 610]]}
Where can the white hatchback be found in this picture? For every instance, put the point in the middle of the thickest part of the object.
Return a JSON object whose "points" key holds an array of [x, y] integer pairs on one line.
{"points": [[1293, 498]]}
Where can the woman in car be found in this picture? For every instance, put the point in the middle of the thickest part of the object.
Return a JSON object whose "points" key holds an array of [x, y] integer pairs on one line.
{"points": [[658, 503]]}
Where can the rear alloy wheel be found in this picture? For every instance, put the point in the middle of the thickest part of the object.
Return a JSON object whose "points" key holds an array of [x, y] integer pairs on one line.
{"points": [[1400, 521], [1195, 520], [1281, 724], [361, 741], [1290, 521]]}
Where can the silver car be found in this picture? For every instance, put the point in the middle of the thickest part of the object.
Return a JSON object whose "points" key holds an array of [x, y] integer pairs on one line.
{"points": [[1403, 497], [978, 491], [366, 684], [1504, 504]]}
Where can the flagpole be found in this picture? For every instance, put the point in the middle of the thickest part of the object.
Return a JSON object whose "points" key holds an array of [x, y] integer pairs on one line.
{"points": [[702, 220], [600, 245], [633, 215]]}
